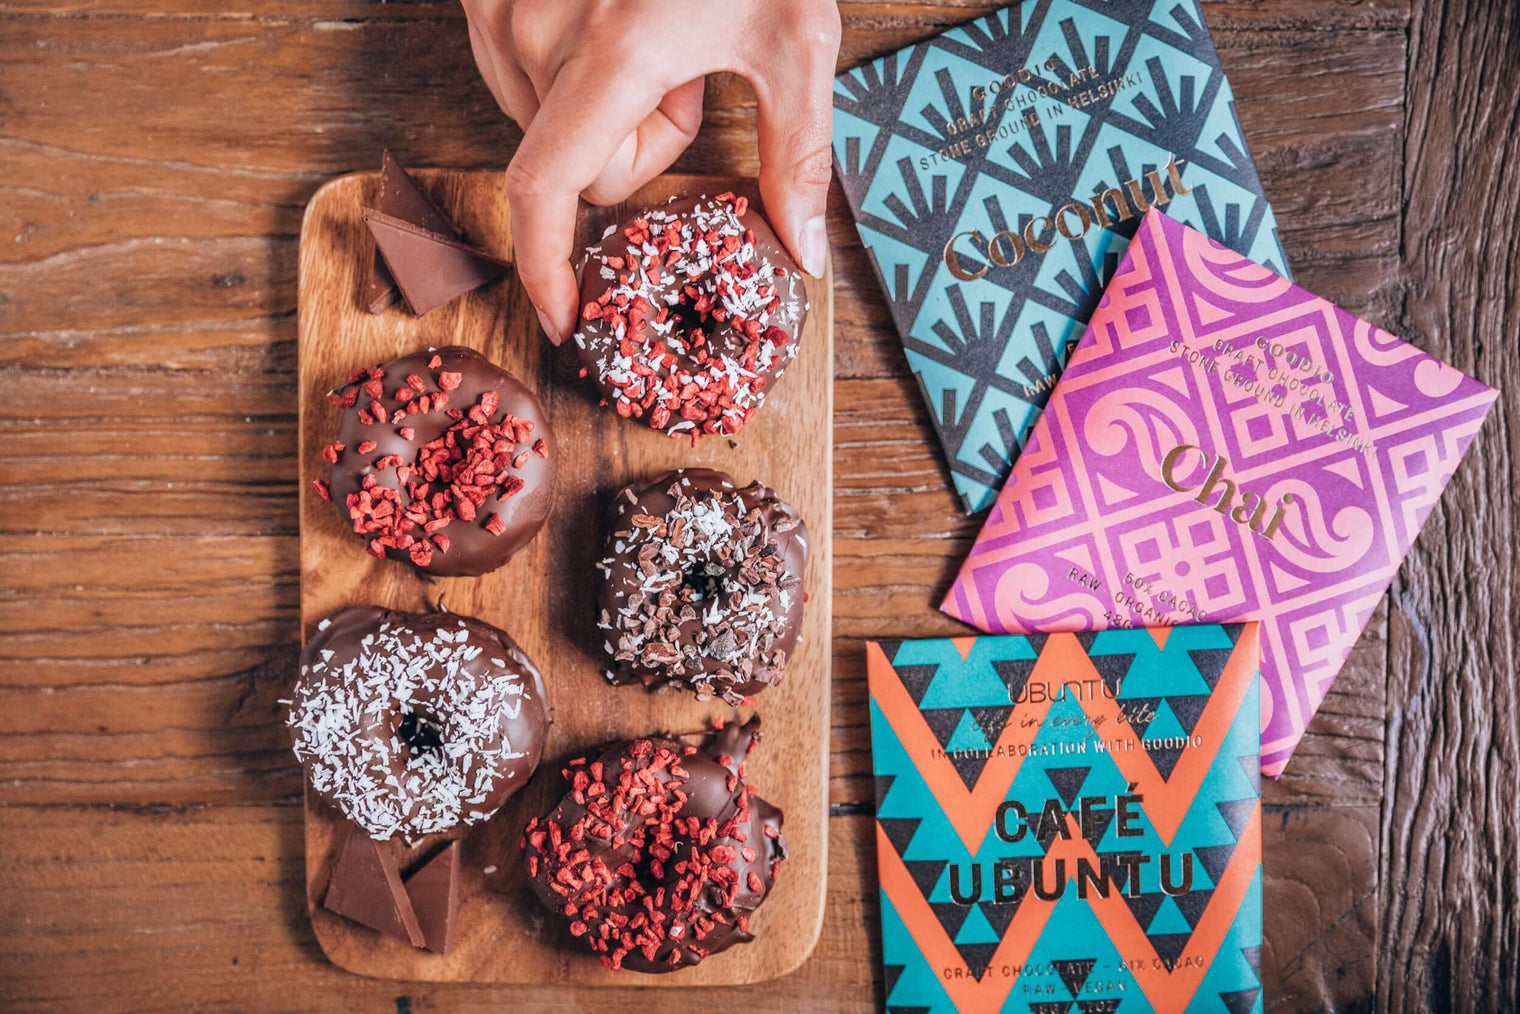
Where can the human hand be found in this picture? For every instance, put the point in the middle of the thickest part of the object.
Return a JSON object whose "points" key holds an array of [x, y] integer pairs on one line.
{"points": [[609, 92]]}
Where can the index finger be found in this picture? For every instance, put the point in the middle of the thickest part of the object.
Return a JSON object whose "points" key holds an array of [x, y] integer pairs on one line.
{"points": [[588, 112]]}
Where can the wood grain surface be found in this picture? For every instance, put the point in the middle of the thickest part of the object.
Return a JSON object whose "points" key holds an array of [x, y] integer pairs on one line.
{"points": [[545, 597], [155, 158]]}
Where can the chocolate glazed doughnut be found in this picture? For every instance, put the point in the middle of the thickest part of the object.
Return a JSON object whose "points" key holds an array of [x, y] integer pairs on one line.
{"points": [[702, 584], [443, 459], [689, 312], [661, 851], [414, 723]]}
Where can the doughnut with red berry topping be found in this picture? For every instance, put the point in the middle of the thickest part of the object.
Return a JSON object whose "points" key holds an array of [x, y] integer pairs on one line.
{"points": [[701, 584], [689, 312], [414, 723], [443, 459], [661, 852]]}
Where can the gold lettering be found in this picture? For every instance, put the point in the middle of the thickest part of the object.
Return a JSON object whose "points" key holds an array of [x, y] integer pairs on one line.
{"points": [[1083, 216], [1115, 204], [1169, 463], [1158, 187], [1174, 172], [1213, 481], [995, 253], [1252, 506], [1037, 245], [1277, 516], [953, 261], [1137, 196], [1121, 206]]}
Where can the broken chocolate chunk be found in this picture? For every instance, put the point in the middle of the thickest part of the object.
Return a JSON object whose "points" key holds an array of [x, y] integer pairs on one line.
{"points": [[434, 891], [365, 886], [400, 197], [430, 268]]}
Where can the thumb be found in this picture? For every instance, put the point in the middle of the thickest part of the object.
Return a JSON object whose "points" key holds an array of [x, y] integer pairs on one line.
{"points": [[796, 104]]}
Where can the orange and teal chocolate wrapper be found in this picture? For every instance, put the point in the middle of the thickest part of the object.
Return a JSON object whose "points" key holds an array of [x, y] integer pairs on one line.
{"points": [[1069, 822]]}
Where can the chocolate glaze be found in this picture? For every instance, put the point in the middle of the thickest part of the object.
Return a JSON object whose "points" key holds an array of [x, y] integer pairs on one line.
{"points": [[702, 584], [413, 723], [748, 302], [640, 888], [472, 548]]}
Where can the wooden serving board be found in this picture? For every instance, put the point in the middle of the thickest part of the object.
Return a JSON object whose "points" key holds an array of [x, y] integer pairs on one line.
{"points": [[545, 597]]}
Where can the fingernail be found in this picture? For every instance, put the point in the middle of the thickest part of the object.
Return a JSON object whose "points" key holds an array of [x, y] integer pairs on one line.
{"points": [[548, 326], [815, 246]]}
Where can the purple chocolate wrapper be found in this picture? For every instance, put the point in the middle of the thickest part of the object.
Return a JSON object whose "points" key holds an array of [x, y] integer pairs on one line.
{"points": [[1223, 446]]}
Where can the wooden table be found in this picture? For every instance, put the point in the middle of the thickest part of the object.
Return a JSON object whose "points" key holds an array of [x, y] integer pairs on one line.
{"points": [[155, 156]]}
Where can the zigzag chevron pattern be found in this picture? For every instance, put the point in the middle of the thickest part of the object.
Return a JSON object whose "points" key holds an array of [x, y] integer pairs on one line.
{"points": [[986, 352], [1144, 947], [1312, 447]]}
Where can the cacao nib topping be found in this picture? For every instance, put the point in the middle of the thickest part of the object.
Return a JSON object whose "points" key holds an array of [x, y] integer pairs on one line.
{"points": [[702, 585]]}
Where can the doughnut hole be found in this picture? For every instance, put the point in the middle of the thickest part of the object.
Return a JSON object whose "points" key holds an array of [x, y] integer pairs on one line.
{"points": [[705, 585], [419, 733]]}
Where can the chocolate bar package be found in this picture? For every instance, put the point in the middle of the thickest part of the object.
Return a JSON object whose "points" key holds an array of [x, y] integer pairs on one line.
{"points": [[1069, 822], [996, 172], [1223, 446]]}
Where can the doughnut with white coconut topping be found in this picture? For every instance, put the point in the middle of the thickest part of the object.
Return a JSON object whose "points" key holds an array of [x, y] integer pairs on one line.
{"points": [[415, 723]]}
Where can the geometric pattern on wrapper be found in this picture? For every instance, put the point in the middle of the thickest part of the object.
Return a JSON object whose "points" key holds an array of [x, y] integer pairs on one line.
{"points": [[974, 345], [1074, 955], [1092, 472]]}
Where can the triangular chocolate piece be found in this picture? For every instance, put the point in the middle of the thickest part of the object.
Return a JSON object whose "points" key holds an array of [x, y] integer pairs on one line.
{"points": [[400, 197], [434, 890], [430, 268], [366, 887]]}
